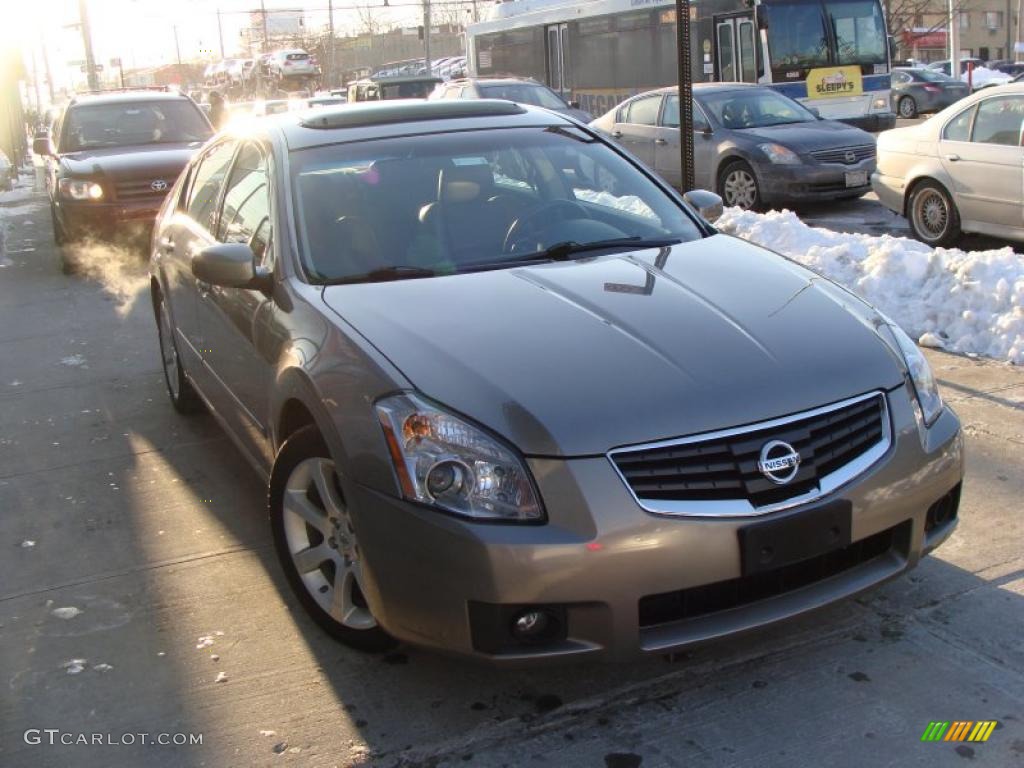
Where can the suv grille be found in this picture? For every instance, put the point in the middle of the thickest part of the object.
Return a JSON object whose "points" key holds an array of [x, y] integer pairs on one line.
{"points": [[844, 154], [723, 467], [141, 188]]}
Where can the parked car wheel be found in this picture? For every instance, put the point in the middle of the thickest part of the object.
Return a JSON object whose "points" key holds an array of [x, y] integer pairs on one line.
{"points": [[317, 543], [933, 216], [907, 107], [179, 389], [737, 186]]}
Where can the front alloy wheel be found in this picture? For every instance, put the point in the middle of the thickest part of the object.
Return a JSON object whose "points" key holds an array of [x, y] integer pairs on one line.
{"points": [[317, 543], [934, 219], [738, 186], [179, 388]]}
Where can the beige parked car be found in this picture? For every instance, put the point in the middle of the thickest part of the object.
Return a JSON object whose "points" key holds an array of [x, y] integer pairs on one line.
{"points": [[961, 171]]}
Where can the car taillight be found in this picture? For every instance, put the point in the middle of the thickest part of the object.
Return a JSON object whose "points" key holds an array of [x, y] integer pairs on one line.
{"points": [[287, 63], [932, 88]]}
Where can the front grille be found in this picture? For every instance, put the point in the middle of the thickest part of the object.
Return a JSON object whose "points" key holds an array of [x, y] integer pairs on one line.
{"points": [[724, 466], [845, 155], [722, 595], [141, 189]]}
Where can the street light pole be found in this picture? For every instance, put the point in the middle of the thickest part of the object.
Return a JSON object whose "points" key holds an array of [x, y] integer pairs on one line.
{"points": [[90, 60], [426, 36], [177, 53], [954, 41], [685, 94], [330, 42], [46, 65], [220, 34], [263, 12]]}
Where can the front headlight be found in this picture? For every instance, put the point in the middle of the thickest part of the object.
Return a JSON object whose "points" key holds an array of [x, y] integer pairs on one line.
{"points": [[925, 387], [448, 463], [80, 189], [779, 154], [879, 104]]}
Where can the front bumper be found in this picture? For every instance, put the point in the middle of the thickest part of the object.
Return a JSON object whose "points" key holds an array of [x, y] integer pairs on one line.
{"points": [[82, 220], [427, 574], [876, 122], [811, 182]]}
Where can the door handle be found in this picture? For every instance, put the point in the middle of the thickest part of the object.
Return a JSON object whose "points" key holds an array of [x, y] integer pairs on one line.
{"points": [[660, 142], [952, 158], [616, 134]]}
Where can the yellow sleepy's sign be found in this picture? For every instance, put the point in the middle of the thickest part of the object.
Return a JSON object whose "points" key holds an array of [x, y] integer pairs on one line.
{"points": [[829, 82]]}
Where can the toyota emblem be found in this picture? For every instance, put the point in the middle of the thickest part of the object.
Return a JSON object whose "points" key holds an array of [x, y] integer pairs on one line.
{"points": [[779, 462], [851, 157], [158, 186]]}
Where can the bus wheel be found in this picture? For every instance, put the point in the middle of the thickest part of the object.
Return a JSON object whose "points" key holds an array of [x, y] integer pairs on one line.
{"points": [[737, 185], [908, 107]]}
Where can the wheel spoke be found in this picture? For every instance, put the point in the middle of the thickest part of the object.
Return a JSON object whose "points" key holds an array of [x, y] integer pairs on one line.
{"points": [[341, 599], [296, 502], [323, 478], [312, 558]]}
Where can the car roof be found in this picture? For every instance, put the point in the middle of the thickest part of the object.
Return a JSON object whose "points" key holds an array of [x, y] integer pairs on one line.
{"points": [[705, 88], [509, 80], [118, 97], [392, 79], [405, 117]]}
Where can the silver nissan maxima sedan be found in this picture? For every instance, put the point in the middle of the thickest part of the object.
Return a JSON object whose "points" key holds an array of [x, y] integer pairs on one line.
{"points": [[515, 398]]}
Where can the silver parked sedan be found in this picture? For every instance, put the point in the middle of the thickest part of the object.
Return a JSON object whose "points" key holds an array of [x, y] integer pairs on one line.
{"points": [[515, 399], [960, 171], [753, 145]]}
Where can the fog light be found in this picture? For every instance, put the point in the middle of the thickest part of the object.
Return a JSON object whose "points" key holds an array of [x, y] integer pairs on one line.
{"points": [[530, 624]]}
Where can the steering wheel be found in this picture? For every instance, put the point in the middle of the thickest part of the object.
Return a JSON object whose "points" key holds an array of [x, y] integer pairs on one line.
{"points": [[528, 226]]}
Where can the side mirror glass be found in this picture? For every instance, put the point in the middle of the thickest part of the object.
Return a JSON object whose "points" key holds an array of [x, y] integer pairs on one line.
{"points": [[41, 145], [231, 265], [708, 204]]}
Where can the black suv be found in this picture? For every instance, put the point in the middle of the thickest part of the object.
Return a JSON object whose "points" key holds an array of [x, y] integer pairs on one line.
{"points": [[112, 156]]}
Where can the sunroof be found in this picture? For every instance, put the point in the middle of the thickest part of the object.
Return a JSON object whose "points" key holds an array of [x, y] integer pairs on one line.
{"points": [[383, 112]]}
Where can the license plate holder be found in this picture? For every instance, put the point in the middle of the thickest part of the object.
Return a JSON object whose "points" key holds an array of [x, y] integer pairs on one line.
{"points": [[856, 178], [772, 544]]}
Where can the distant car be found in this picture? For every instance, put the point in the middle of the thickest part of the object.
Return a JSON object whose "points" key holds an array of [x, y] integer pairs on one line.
{"points": [[945, 66], [1011, 68], [519, 90], [376, 88], [271, 107], [752, 144], [960, 171], [111, 157], [920, 90], [8, 173], [292, 62]]}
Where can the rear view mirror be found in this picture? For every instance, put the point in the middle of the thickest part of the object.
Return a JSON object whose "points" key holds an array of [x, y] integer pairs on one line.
{"points": [[231, 265], [41, 145], [708, 204]]}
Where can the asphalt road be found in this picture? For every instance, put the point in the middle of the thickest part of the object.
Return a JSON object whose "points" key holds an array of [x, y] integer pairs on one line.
{"points": [[137, 567]]}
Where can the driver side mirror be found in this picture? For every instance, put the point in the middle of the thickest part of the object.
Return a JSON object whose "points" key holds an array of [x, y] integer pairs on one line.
{"points": [[708, 204], [41, 144], [574, 104], [231, 265], [814, 111]]}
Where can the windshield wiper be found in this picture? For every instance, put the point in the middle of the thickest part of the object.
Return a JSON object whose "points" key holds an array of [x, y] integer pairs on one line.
{"points": [[384, 274], [566, 249]]}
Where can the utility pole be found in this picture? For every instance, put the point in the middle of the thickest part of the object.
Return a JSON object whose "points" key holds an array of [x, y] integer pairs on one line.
{"points": [[177, 53], [90, 60], [954, 40], [686, 93], [263, 11], [1020, 30], [220, 34], [330, 42], [35, 83], [46, 66], [426, 36]]}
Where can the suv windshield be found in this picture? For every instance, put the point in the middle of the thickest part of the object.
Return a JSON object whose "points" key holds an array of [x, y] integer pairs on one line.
{"points": [[754, 108], [449, 202], [131, 123], [537, 95]]}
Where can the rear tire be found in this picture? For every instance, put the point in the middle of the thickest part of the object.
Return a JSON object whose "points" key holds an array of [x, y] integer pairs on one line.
{"points": [[907, 107], [179, 389], [737, 186], [932, 214], [317, 544]]}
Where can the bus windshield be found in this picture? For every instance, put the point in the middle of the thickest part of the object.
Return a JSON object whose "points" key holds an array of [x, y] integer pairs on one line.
{"points": [[859, 31], [801, 33]]}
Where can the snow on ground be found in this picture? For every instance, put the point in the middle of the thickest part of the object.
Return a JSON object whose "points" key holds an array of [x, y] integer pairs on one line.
{"points": [[983, 76], [971, 302]]}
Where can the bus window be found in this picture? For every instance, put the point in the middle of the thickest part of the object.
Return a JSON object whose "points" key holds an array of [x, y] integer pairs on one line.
{"points": [[796, 38], [726, 53], [859, 31]]}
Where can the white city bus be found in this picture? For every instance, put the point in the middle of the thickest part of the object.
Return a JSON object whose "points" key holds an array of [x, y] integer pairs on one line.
{"points": [[832, 55]]}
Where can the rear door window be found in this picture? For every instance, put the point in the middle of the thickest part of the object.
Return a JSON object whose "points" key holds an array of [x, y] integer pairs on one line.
{"points": [[999, 121]]}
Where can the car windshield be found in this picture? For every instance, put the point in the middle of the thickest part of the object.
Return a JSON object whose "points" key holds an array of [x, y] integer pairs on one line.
{"points": [[451, 202], [133, 123], [931, 76], [537, 95], [754, 108]]}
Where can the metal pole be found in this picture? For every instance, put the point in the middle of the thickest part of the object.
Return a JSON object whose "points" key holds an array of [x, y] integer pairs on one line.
{"points": [[330, 42], [120, 69], [177, 53], [46, 66], [954, 41], [90, 60], [220, 34], [35, 83], [263, 11], [1020, 29], [426, 36], [685, 93]]}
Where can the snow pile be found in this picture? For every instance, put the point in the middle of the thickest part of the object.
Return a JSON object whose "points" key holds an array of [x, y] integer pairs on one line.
{"points": [[966, 302], [985, 76]]}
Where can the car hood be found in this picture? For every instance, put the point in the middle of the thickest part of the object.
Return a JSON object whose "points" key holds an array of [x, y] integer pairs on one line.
{"points": [[809, 137], [151, 161], [575, 358]]}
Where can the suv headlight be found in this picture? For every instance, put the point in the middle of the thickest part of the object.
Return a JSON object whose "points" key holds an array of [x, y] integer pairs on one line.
{"points": [[779, 154], [443, 461], [80, 189], [925, 387]]}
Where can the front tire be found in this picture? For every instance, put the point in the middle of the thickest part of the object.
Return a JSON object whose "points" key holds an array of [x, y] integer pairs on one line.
{"points": [[907, 107], [179, 389], [737, 186], [317, 544], [932, 214]]}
